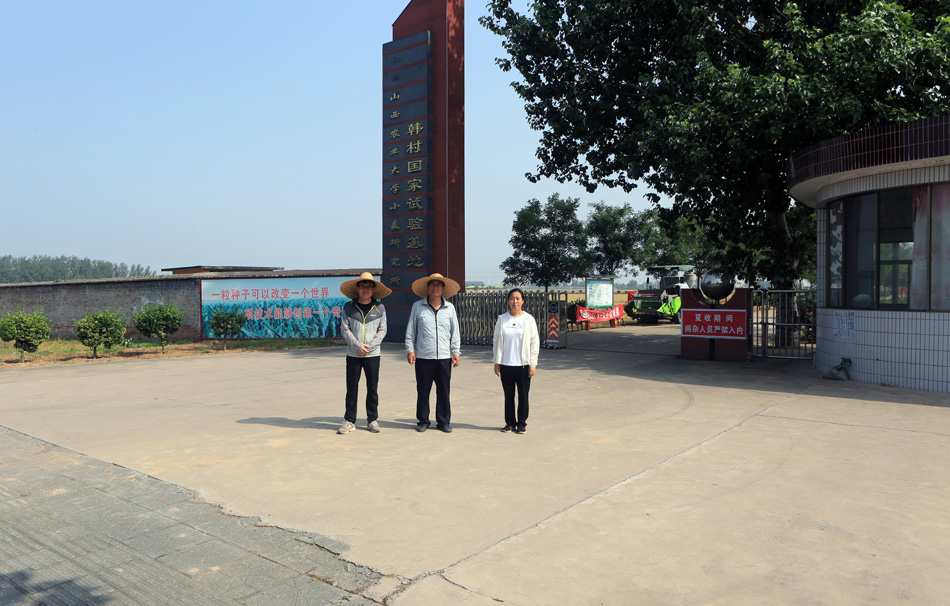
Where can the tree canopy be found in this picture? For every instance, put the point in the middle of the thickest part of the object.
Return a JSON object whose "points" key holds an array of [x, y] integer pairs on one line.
{"points": [[621, 240], [612, 235], [14, 270], [705, 102], [680, 242], [159, 320], [105, 328], [549, 244], [26, 330]]}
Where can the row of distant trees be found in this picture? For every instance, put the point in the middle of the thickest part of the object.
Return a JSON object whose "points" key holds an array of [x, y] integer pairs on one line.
{"points": [[15, 270], [553, 246]]}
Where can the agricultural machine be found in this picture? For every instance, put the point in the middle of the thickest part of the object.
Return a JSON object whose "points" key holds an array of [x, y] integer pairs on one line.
{"points": [[650, 305]]}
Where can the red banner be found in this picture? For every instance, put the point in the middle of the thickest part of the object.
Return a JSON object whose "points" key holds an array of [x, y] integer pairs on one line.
{"points": [[592, 315], [714, 323]]}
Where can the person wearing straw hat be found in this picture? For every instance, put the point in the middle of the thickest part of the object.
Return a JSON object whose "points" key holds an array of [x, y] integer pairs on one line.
{"points": [[363, 325], [433, 347]]}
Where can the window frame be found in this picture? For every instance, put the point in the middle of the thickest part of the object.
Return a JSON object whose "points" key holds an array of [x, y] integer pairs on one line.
{"points": [[849, 274]]}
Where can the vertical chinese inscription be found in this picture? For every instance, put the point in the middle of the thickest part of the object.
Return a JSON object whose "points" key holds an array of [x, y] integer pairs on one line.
{"points": [[407, 160]]}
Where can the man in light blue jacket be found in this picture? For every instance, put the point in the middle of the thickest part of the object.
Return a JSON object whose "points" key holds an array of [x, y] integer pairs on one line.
{"points": [[433, 346]]}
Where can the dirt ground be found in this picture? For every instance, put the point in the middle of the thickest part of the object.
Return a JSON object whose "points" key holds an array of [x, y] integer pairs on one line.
{"points": [[10, 358]]}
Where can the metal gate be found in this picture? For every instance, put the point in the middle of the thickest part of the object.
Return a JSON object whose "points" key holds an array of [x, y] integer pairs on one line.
{"points": [[783, 323], [478, 311]]}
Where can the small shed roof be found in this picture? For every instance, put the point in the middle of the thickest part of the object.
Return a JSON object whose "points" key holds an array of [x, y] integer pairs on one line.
{"points": [[217, 269]]}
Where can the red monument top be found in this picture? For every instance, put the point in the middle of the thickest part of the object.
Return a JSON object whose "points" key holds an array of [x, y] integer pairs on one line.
{"points": [[423, 145], [445, 20]]}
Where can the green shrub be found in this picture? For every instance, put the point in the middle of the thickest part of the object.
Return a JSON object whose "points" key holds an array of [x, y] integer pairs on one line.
{"points": [[26, 330], [159, 321], [572, 310], [101, 329], [227, 324]]}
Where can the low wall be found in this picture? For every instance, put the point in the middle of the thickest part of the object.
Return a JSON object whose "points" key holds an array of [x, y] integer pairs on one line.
{"points": [[66, 302], [904, 348]]}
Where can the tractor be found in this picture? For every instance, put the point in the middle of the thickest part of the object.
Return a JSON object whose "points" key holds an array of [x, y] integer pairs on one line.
{"points": [[650, 305]]}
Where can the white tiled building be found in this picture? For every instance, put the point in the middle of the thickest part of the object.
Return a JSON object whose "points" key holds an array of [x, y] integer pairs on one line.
{"points": [[883, 203]]}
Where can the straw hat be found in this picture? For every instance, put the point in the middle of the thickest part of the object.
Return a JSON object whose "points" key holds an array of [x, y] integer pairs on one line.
{"points": [[349, 289], [421, 286]]}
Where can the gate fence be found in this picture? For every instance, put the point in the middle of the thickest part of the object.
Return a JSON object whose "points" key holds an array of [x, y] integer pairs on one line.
{"points": [[783, 323], [478, 312]]}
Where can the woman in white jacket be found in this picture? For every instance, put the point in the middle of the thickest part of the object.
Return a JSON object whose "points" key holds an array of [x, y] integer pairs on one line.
{"points": [[515, 349]]}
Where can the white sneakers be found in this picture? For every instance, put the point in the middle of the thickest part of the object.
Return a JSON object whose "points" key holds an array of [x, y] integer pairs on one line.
{"points": [[347, 427]]}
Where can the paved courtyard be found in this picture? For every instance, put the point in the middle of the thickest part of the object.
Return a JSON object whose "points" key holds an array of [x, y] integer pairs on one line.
{"points": [[642, 479]]}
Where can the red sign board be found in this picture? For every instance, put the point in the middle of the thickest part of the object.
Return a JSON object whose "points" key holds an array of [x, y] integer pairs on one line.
{"points": [[714, 323]]}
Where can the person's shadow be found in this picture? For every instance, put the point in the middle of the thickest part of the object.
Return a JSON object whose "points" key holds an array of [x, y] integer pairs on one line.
{"points": [[333, 423], [328, 423], [19, 588]]}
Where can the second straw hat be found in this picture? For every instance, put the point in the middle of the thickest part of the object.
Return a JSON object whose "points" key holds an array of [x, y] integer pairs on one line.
{"points": [[421, 286]]}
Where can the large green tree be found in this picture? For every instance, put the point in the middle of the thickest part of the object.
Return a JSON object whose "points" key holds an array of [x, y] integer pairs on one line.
{"points": [[678, 242], [612, 235], [705, 102], [549, 244]]}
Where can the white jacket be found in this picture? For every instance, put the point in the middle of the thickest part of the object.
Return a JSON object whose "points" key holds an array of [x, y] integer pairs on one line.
{"points": [[530, 345]]}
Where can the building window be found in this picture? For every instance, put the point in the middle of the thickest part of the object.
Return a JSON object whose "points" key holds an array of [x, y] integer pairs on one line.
{"points": [[940, 248], [860, 239], [878, 249], [919, 277], [895, 211]]}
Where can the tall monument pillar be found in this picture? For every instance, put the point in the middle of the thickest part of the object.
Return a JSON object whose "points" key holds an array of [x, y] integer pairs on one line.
{"points": [[423, 152]]}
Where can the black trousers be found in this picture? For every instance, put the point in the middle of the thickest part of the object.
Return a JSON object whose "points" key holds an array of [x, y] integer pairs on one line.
{"points": [[354, 366], [427, 372], [516, 377]]}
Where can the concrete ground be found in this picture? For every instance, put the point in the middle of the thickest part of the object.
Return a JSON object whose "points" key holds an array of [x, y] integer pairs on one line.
{"points": [[642, 479]]}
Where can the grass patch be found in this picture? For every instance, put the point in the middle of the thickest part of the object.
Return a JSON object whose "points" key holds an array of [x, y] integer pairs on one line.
{"points": [[69, 351], [279, 344]]}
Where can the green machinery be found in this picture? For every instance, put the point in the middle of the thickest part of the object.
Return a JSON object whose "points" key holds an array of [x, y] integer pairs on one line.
{"points": [[651, 305]]}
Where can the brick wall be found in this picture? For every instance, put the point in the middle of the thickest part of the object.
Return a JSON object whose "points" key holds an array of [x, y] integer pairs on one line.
{"points": [[66, 302]]}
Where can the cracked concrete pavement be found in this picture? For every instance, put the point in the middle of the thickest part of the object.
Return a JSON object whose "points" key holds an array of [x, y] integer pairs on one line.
{"points": [[642, 479]]}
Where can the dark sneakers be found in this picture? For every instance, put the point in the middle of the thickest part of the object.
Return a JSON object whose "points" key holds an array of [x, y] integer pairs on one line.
{"points": [[445, 428], [421, 428], [521, 429], [507, 428]]}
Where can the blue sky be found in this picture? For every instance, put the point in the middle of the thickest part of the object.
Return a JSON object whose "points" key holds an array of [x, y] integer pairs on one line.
{"points": [[233, 133]]}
